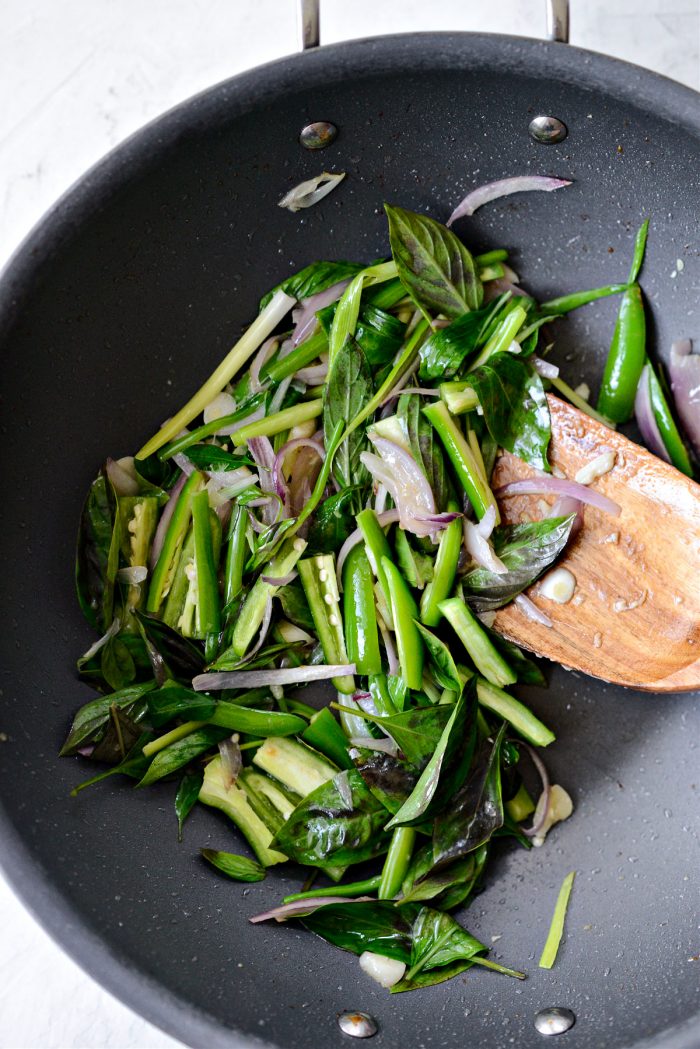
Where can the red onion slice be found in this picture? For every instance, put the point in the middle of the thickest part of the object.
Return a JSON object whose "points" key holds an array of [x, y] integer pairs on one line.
{"points": [[263, 453], [646, 421], [538, 820], [261, 357], [502, 188], [162, 528], [286, 676], [563, 507], [384, 746], [231, 760], [305, 319], [313, 375], [123, 476], [278, 482], [684, 372], [282, 580], [309, 192], [560, 486], [531, 611], [400, 474], [291, 910], [221, 405], [480, 549]]}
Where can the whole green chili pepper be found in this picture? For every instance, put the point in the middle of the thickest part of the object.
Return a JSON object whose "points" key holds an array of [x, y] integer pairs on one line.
{"points": [[408, 639], [360, 617], [625, 359]]}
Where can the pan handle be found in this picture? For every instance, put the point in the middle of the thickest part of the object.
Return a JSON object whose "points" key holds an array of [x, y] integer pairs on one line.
{"points": [[310, 27]]}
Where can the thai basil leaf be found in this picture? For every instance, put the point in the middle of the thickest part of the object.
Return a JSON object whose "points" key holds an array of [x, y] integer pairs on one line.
{"points": [[416, 731], [97, 556], [437, 270], [390, 780], [240, 868], [515, 407], [416, 567], [448, 767], [92, 720], [158, 474], [116, 665], [182, 752], [444, 353], [183, 658], [295, 606], [379, 334], [376, 926], [324, 831], [476, 810], [268, 543], [120, 736], [434, 885], [186, 797], [526, 550], [175, 701], [134, 765], [439, 940], [430, 977], [444, 667], [212, 457], [314, 278], [426, 448], [334, 521], [348, 389]]}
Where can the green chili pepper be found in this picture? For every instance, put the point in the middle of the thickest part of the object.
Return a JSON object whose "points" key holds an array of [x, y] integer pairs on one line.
{"points": [[324, 734], [485, 656], [444, 573], [360, 617], [236, 552], [567, 303], [308, 351], [670, 435], [408, 639], [625, 359], [208, 615], [164, 571], [376, 543], [462, 459], [253, 610], [493, 698], [255, 722], [318, 578], [355, 888], [397, 862], [502, 337], [640, 244]]}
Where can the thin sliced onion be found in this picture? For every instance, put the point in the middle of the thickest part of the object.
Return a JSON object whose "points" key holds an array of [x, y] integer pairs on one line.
{"points": [[480, 549], [502, 188], [281, 580], [646, 421], [287, 676], [134, 574], [291, 910], [233, 428], [389, 517], [181, 460], [314, 375], [399, 472], [162, 528], [559, 486], [539, 819], [102, 641], [545, 369], [309, 192], [531, 611], [384, 746], [227, 479], [221, 405], [380, 499], [563, 507], [487, 523], [306, 320], [264, 627], [122, 474], [291, 633], [278, 482], [420, 390], [264, 455], [231, 760], [684, 372], [261, 357]]}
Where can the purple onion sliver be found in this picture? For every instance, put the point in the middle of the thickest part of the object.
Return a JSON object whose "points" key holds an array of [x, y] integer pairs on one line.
{"points": [[261, 358], [646, 421], [502, 188], [291, 910], [253, 678], [531, 611], [684, 373], [231, 760], [306, 320], [383, 746], [282, 580], [563, 507], [560, 486], [536, 827]]}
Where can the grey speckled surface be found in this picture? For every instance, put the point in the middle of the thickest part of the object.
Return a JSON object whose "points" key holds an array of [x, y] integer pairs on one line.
{"points": [[169, 271]]}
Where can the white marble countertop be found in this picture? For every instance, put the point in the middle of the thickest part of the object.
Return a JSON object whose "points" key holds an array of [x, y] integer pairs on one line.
{"points": [[77, 77]]}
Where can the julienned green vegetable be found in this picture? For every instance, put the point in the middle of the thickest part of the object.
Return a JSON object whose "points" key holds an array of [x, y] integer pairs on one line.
{"points": [[271, 553]]}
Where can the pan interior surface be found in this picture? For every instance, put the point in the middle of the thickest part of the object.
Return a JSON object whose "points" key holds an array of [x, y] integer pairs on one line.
{"points": [[116, 309]]}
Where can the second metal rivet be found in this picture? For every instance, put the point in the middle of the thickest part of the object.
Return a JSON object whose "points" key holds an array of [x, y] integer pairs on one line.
{"points": [[554, 1020], [318, 135], [357, 1025], [548, 130]]}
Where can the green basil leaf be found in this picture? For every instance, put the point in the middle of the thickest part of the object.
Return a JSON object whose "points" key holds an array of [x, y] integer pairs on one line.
{"points": [[526, 550], [134, 765], [212, 457], [116, 664], [376, 926], [240, 868], [425, 446], [295, 606], [348, 389], [416, 731], [476, 811], [379, 334], [97, 556], [390, 780], [314, 278], [444, 667], [437, 270], [515, 407], [431, 977], [443, 354], [439, 940], [186, 797], [433, 885], [324, 831], [334, 521], [182, 658], [182, 752], [175, 701], [92, 720]]}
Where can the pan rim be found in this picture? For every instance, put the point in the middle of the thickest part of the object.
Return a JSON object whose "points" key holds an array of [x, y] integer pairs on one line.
{"points": [[112, 174]]}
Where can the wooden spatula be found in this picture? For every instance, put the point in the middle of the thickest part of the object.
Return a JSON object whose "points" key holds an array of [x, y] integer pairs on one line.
{"points": [[635, 615]]}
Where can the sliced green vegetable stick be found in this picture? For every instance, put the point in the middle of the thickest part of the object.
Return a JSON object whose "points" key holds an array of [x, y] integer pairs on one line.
{"points": [[487, 659], [408, 640], [514, 712], [556, 929], [462, 458], [320, 584]]}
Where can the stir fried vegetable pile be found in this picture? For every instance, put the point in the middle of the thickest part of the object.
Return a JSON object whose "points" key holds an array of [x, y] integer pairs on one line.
{"points": [[330, 518]]}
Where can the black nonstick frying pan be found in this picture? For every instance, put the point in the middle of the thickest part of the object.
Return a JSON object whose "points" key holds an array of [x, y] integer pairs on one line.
{"points": [[113, 311]]}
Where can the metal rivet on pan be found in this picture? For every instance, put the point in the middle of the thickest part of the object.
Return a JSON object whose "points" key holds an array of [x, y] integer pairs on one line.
{"points": [[318, 135], [357, 1025], [548, 130], [554, 1021]]}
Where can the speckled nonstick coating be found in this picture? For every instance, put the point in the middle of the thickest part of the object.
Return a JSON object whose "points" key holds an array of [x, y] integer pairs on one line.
{"points": [[114, 310]]}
